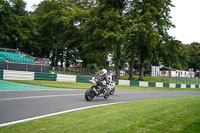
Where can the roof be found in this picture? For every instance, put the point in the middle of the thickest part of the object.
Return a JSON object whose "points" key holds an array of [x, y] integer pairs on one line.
{"points": [[165, 69]]}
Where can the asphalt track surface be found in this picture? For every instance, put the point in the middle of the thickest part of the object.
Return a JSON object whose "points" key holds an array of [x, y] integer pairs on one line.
{"points": [[24, 104]]}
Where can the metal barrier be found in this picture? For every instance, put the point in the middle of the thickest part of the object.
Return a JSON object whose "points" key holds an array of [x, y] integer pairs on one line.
{"points": [[24, 67]]}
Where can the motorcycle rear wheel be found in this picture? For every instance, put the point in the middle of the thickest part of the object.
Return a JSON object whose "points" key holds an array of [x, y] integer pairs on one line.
{"points": [[89, 94]]}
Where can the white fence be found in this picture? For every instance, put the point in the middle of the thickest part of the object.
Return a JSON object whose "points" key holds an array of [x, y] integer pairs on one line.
{"points": [[66, 78], [18, 75]]}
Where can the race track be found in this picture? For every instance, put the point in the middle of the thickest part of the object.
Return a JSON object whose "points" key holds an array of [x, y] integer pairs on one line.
{"points": [[24, 104]]}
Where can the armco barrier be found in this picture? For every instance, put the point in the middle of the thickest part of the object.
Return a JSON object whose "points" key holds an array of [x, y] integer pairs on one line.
{"points": [[183, 86], [166, 85], [45, 76], [192, 86], [134, 83], [83, 79], [124, 82], [66, 78], [144, 84], [1, 74], [117, 82], [188, 86], [22, 75], [151, 84], [178, 85], [172, 85], [18, 75], [159, 84]]}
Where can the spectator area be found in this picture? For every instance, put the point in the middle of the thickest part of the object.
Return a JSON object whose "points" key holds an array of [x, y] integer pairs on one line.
{"points": [[14, 57], [2, 59]]}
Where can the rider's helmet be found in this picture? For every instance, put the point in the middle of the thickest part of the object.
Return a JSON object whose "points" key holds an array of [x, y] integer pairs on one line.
{"points": [[104, 71]]}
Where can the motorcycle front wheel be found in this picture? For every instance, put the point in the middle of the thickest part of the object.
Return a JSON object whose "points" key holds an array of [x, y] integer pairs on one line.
{"points": [[89, 94], [106, 96]]}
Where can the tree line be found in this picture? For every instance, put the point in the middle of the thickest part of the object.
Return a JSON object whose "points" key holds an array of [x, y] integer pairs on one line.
{"points": [[65, 31]]}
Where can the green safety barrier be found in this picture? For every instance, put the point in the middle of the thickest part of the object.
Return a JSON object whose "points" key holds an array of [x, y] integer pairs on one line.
{"points": [[1, 74], [45, 76], [178, 85], [151, 84], [117, 82], [188, 86], [83, 79], [134, 83], [166, 85]]}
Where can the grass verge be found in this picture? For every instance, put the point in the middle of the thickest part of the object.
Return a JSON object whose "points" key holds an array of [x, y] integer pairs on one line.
{"points": [[167, 115], [147, 78], [77, 85]]}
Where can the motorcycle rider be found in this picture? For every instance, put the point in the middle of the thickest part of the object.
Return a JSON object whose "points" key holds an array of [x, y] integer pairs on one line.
{"points": [[105, 80]]}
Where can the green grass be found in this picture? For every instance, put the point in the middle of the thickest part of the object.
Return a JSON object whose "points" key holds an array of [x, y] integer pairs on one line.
{"points": [[167, 115], [147, 78], [165, 80], [72, 73], [56, 84], [184, 80], [77, 85]]}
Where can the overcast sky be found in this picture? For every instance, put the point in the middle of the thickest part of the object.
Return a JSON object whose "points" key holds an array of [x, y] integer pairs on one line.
{"points": [[185, 15]]}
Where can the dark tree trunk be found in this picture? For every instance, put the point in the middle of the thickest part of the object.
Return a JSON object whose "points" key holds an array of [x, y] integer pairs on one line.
{"points": [[53, 59], [56, 56], [131, 65], [84, 63], [141, 77], [105, 60], [62, 60], [56, 62], [117, 61]]}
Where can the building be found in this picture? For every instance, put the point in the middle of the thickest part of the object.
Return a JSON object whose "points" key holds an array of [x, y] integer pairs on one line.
{"points": [[167, 72]]}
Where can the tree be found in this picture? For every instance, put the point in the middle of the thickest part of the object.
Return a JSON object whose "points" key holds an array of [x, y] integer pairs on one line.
{"points": [[115, 30], [6, 17], [57, 34], [194, 59], [151, 22], [16, 27], [170, 53]]}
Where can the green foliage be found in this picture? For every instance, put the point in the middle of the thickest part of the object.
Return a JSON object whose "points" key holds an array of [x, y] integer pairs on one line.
{"points": [[17, 28], [67, 31], [194, 54], [151, 21]]}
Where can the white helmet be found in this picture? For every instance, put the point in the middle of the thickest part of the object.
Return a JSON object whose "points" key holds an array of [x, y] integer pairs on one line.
{"points": [[104, 71]]}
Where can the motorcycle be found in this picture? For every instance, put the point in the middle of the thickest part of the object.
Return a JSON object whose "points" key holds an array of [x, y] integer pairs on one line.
{"points": [[111, 84], [98, 89]]}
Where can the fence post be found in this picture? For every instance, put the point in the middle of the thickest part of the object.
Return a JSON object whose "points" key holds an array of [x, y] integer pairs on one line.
{"points": [[7, 66], [41, 69], [26, 67]]}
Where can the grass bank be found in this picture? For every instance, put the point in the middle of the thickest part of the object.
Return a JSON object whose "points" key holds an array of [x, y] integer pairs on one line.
{"points": [[147, 78], [167, 115], [77, 85]]}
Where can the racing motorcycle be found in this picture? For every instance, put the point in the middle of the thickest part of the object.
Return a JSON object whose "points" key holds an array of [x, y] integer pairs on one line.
{"points": [[98, 89], [111, 85]]}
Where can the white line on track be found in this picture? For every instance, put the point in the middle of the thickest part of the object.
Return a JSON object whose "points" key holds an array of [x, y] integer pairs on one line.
{"points": [[57, 113], [35, 97], [56, 89]]}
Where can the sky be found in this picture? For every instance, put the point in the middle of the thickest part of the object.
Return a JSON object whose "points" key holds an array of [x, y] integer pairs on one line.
{"points": [[185, 16]]}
